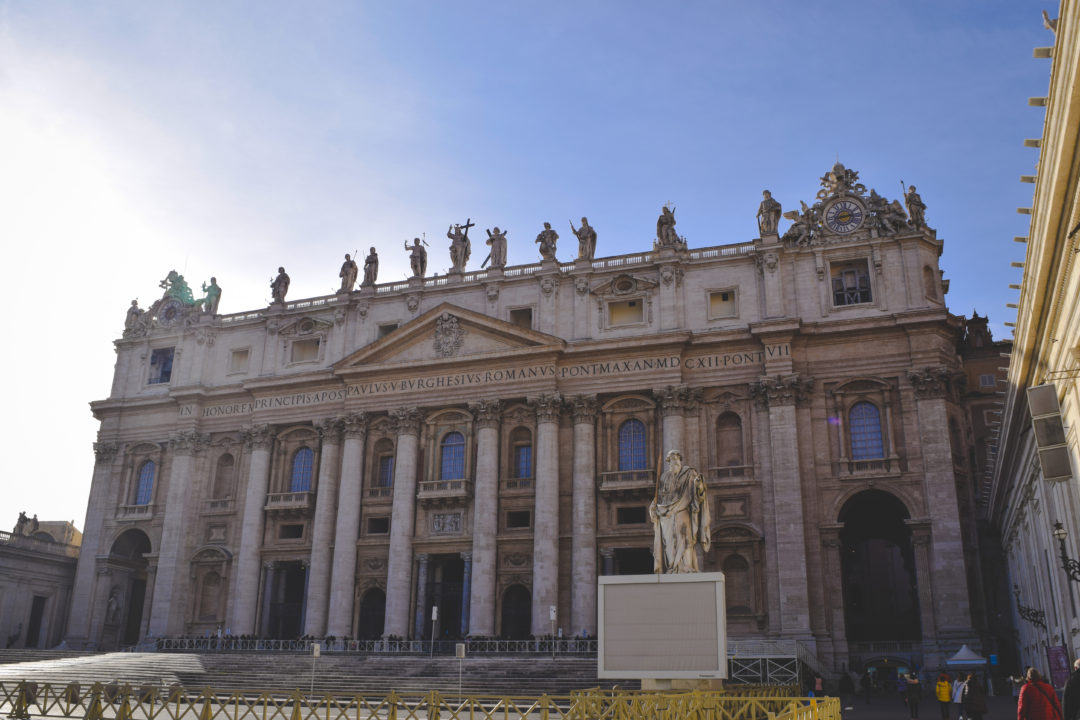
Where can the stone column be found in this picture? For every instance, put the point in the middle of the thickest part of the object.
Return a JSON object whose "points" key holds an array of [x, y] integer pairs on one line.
{"points": [[318, 575], [674, 401], [350, 498], [546, 524], [583, 553], [833, 576], [267, 598], [947, 575], [485, 517], [779, 394], [242, 616], [166, 612], [607, 557], [82, 608], [466, 593], [402, 520], [920, 540], [421, 595], [306, 567]]}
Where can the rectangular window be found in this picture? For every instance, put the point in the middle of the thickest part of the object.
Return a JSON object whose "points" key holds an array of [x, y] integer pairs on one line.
{"points": [[850, 283], [522, 317], [522, 461], [626, 312], [305, 350], [291, 532], [386, 329], [378, 525], [238, 360], [161, 365], [634, 515], [518, 519], [987, 380], [385, 478], [722, 304]]}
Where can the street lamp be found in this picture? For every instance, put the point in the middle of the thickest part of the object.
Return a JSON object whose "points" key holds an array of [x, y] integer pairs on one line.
{"points": [[1033, 616], [1072, 567]]}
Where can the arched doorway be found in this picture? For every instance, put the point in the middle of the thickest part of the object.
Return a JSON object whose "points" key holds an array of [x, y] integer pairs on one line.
{"points": [[516, 612], [127, 590], [372, 614], [446, 575], [881, 599]]}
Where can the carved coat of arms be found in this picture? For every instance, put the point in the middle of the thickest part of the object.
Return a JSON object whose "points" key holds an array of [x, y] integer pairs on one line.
{"points": [[449, 335]]}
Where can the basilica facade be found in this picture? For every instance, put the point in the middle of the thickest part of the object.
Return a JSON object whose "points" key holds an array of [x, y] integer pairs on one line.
{"points": [[487, 443]]}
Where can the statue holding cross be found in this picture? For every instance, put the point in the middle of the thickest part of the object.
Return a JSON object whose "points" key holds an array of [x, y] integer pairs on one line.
{"points": [[460, 246]]}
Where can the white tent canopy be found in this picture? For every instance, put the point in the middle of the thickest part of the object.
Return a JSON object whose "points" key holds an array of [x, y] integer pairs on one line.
{"points": [[965, 656]]}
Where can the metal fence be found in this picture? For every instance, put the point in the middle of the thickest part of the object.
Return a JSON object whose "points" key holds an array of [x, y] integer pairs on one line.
{"points": [[474, 646]]}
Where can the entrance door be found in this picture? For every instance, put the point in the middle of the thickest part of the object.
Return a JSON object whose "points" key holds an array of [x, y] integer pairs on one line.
{"points": [[372, 615], [516, 613], [134, 616], [33, 630], [444, 588], [287, 601]]}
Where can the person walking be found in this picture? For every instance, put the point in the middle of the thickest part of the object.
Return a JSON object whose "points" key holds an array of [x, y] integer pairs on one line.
{"points": [[1038, 701], [958, 696], [974, 698], [913, 693], [943, 693], [866, 684], [1071, 704]]}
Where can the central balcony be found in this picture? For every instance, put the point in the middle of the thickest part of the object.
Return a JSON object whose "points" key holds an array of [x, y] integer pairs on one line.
{"points": [[628, 483], [440, 493], [290, 503]]}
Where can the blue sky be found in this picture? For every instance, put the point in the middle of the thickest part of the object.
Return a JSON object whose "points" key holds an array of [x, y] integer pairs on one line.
{"points": [[229, 138]]}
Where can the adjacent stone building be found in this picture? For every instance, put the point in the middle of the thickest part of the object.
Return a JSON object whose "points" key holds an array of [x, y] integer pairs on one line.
{"points": [[487, 442]]}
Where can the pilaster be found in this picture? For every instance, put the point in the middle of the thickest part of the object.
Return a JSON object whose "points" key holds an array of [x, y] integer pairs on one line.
{"points": [[485, 517], [318, 576], [546, 525], [78, 628], [402, 521], [583, 552], [347, 526], [259, 440]]}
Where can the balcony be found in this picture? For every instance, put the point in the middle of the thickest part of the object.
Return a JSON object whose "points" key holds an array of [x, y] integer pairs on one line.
{"points": [[732, 472], [383, 494], [135, 512], [441, 493], [629, 483], [516, 486], [870, 466], [290, 503], [219, 506]]}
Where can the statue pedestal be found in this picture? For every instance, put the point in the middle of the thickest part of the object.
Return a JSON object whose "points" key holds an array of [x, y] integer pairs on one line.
{"points": [[770, 238], [416, 282], [454, 276], [495, 272], [547, 265], [367, 290], [582, 264]]}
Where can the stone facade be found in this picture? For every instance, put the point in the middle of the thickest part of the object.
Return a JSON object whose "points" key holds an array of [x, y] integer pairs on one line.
{"points": [[37, 572], [488, 443]]}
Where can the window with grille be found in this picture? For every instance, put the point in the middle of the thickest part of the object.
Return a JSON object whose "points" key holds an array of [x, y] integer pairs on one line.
{"points": [[865, 421], [144, 491], [452, 456], [161, 361], [301, 470], [851, 283], [632, 445]]}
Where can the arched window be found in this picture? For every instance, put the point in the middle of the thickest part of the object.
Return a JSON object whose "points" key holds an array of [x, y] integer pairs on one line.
{"points": [[144, 491], [452, 456], [521, 453], [929, 282], [737, 585], [302, 463], [632, 445], [729, 441], [384, 464], [865, 420], [223, 477]]}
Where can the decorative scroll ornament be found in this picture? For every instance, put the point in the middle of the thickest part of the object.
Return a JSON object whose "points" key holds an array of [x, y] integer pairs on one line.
{"points": [[547, 407], [449, 335], [781, 390], [487, 412], [583, 408], [329, 430], [259, 437], [406, 420], [675, 399], [354, 425], [189, 441], [105, 451], [930, 382]]}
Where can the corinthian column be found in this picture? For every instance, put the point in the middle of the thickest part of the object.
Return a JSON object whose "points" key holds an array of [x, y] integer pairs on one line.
{"points": [[350, 493], [674, 401], [545, 590], [485, 517], [318, 576], [402, 520], [583, 554], [779, 394], [242, 615], [78, 632], [166, 611]]}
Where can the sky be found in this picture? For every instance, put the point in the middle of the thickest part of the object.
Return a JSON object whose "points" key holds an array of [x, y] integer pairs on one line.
{"points": [[225, 139]]}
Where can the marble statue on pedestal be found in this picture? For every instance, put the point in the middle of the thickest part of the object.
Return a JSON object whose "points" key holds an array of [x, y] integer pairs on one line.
{"points": [[547, 239], [460, 246], [211, 296], [348, 274], [680, 516], [371, 268], [417, 257], [497, 241], [279, 286], [586, 239], [916, 208], [768, 214]]}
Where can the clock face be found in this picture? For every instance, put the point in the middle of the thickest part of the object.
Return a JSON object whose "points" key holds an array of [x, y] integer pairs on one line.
{"points": [[844, 216], [169, 312]]}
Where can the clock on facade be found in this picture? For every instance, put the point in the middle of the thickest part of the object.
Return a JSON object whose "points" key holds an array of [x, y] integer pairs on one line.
{"points": [[844, 216], [170, 311]]}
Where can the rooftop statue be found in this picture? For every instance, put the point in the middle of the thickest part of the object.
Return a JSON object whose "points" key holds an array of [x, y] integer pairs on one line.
{"points": [[665, 228], [547, 240], [803, 225], [889, 218], [497, 241], [279, 286], [460, 245], [348, 274], [840, 181], [586, 238], [680, 516], [768, 214], [211, 296], [417, 257], [371, 268], [176, 287], [134, 314], [916, 208]]}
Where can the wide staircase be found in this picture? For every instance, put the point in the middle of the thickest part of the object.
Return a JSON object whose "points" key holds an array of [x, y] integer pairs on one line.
{"points": [[337, 674]]}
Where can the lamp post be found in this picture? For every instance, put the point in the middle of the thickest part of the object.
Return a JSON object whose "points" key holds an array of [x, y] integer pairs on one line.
{"points": [[1033, 616], [1072, 567]]}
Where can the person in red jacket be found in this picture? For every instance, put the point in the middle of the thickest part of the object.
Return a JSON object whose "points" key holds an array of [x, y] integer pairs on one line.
{"points": [[1038, 701]]}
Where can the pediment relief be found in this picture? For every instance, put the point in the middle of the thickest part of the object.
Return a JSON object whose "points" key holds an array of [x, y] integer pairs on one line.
{"points": [[725, 397], [736, 533], [624, 285], [861, 385], [447, 333], [305, 327], [628, 404]]}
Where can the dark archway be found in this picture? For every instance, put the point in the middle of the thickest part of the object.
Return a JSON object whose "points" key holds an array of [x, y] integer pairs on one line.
{"points": [[881, 600], [516, 612], [127, 596], [372, 615], [287, 600], [446, 575]]}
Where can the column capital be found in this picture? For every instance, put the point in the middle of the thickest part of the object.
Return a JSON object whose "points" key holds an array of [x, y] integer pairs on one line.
{"points": [[676, 399], [467, 557], [779, 390], [329, 430], [932, 382], [188, 442], [104, 452], [355, 425], [583, 408], [406, 420], [607, 552], [547, 407], [422, 558], [258, 437], [488, 413]]}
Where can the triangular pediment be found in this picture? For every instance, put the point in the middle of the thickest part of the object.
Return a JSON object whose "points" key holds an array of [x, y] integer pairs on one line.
{"points": [[448, 334]]}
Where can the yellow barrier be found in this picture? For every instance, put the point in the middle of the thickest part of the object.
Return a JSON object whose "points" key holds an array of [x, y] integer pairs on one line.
{"points": [[122, 702]]}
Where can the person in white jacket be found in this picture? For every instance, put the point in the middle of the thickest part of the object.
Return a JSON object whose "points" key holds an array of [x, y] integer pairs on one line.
{"points": [[958, 696]]}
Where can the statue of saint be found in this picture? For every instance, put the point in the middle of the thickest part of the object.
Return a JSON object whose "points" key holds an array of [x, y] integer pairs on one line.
{"points": [[916, 208], [547, 239], [348, 274], [460, 247], [497, 241], [803, 223], [665, 228], [586, 239], [888, 217], [371, 268], [417, 257], [211, 296], [112, 608], [133, 316], [20, 524], [279, 286], [768, 214], [680, 515]]}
